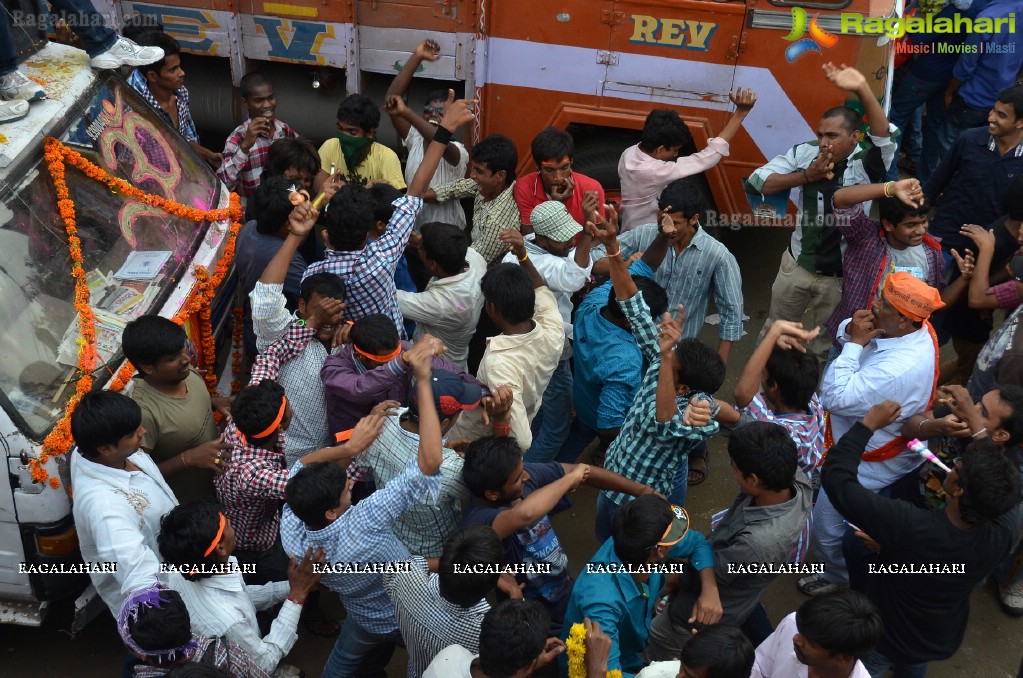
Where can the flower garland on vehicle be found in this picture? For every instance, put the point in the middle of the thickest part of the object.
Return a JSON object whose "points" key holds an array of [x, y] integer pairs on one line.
{"points": [[576, 651], [199, 299]]}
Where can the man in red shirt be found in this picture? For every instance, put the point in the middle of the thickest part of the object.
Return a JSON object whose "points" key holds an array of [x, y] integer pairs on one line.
{"points": [[554, 179]]}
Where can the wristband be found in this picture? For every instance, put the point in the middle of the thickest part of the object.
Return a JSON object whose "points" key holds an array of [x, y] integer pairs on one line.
{"points": [[920, 428], [183, 462], [523, 257], [889, 188], [442, 135], [806, 176], [504, 430], [616, 253], [297, 602]]}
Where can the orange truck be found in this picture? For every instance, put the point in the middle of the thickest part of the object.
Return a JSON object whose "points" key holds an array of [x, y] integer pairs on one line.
{"points": [[595, 67]]}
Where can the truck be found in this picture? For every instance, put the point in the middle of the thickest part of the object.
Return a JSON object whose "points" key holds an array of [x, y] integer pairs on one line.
{"points": [[594, 67]]}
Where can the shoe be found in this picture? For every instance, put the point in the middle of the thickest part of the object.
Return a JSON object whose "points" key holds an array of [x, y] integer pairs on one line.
{"points": [[13, 110], [1012, 599], [15, 85], [124, 52], [814, 585]]}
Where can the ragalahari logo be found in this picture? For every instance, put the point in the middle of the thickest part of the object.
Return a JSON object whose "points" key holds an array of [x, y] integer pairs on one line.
{"points": [[800, 45]]}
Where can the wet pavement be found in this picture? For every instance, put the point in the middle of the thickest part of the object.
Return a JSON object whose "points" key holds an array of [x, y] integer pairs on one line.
{"points": [[992, 648]]}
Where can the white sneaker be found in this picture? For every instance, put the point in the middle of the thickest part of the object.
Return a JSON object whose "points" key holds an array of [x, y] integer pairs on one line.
{"points": [[1012, 599], [15, 85], [13, 110], [126, 53]]}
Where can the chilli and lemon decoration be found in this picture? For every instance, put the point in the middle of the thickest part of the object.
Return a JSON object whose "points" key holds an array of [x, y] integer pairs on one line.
{"points": [[57, 156]]}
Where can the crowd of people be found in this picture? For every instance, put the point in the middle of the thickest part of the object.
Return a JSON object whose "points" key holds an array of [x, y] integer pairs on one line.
{"points": [[422, 384]]}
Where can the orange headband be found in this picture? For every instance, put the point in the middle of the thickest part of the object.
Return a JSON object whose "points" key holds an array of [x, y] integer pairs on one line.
{"points": [[547, 163], [216, 540], [380, 358], [272, 427]]}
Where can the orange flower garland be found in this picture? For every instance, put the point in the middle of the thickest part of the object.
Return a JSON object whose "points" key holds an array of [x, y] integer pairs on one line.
{"points": [[199, 299], [237, 349]]}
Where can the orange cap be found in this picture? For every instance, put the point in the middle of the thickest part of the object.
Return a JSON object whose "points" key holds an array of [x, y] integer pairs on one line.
{"points": [[911, 296]]}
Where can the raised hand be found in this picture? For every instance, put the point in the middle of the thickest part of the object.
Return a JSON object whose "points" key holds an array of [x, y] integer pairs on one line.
{"points": [[844, 77], [513, 239], [326, 311], [791, 336], [395, 105], [909, 192], [984, 238], [365, 432], [590, 205], [966, 264], [744, 99], [428, 50], [605, 229], [456, 112], [670, 331], [697, 413], [302, 219]]}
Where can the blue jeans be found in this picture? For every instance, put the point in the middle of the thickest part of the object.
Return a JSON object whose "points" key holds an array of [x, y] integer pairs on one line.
{"points": [[80, 15], [680, 486], [605, 518], [353, 645], [554, 418], [579, 437], [877, 665], [913, 93]]}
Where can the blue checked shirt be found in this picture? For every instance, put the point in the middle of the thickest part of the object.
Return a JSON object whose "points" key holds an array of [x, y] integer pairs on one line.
{"points": [[185, 124], [369, 273], [647, 450], [690, 276], [425, 527], [363, 534]]}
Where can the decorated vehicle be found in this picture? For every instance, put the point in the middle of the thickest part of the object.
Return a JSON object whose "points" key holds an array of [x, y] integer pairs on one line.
{"points": [[596, 67], [105, 214]]}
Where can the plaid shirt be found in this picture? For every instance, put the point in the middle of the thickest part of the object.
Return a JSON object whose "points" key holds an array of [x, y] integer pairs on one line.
{"points": [[369, 273], [489, 217], [241, 170], [251, 488], [425, 527], [866, 256], [185, 124], [428, 621], [646, 450], [363, 534], [223, 654]]}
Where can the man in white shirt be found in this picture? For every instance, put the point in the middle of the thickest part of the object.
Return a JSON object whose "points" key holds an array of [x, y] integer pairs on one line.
{"points": [[120, 495], [565, 270], [889, 352], [416, 132], [513, 642], [828, 634], [525, 354], [197, 540], [450, 306]]}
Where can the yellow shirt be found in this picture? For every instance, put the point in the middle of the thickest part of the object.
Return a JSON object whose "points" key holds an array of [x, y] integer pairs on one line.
{"points": [[381, 164]]}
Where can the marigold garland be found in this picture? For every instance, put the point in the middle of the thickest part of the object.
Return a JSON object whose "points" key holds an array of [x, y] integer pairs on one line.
{"points": [[237, 349], [576, 651], [59, 440]]}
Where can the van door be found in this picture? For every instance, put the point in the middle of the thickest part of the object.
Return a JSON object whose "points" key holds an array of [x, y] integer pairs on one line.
{"points": [[677, 52]]}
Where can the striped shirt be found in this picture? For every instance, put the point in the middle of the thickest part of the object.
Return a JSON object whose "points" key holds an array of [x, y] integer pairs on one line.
{"points": [[489, 217], [300, 375], [426, 526], [369, 273], [241, 171], [865, 262], [363, 534], [428, 621], [646, 450], [689, 276], [186, 126]]}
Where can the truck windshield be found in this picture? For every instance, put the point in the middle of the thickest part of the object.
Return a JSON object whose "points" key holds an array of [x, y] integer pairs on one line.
{"points": [[133, 254]]}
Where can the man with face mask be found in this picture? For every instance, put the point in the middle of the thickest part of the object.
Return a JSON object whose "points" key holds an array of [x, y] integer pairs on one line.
{"points": [[810, 275], [354, 155]]}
